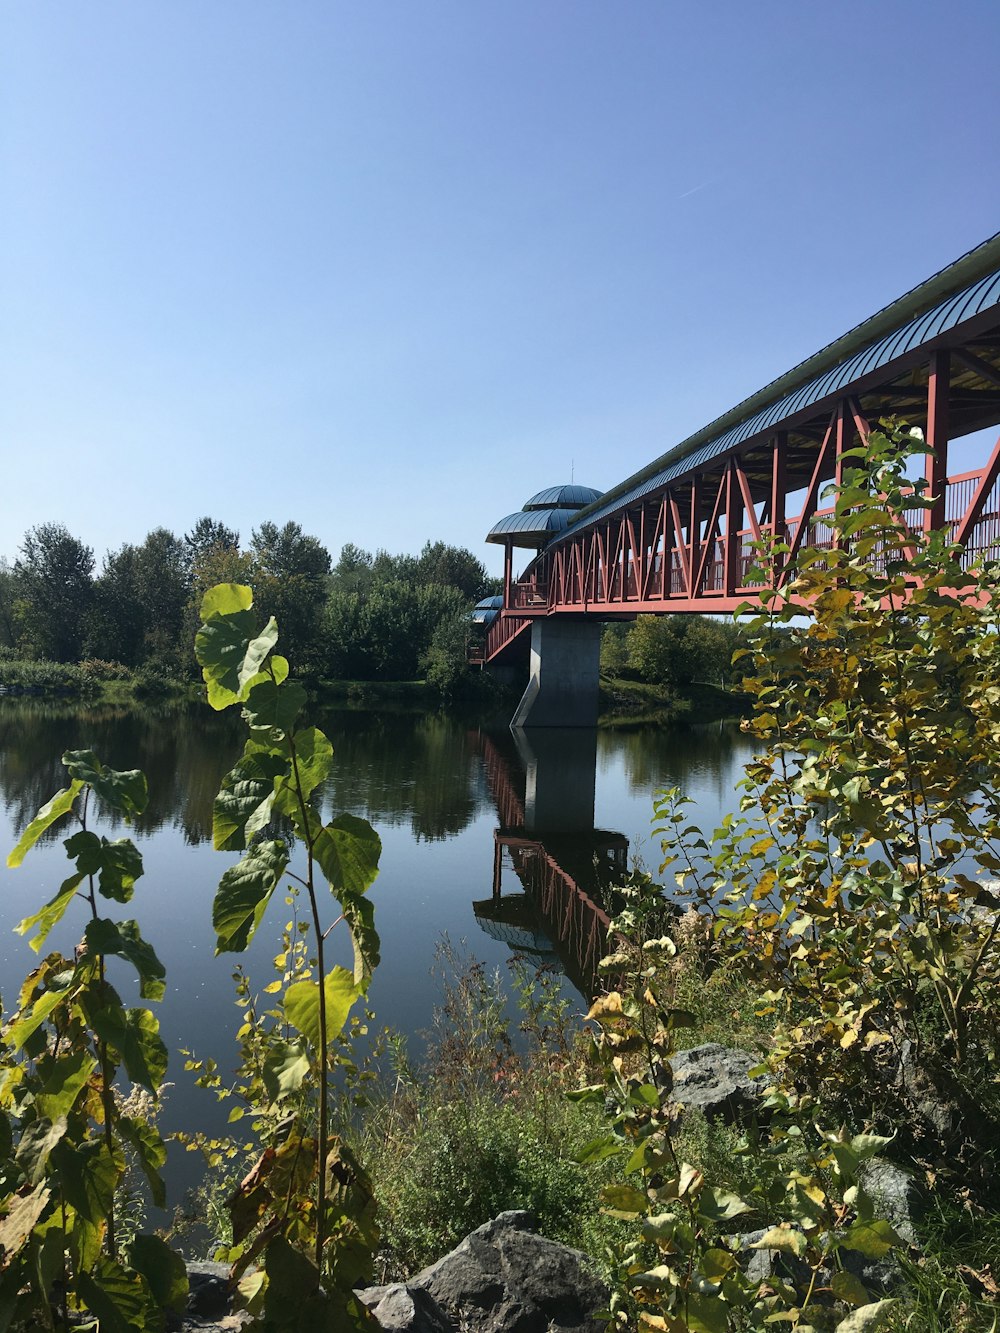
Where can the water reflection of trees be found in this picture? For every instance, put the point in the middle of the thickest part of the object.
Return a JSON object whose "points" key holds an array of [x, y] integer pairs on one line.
{"points": [[399, 768], [184, 752], [395, 768], [686, 757]]}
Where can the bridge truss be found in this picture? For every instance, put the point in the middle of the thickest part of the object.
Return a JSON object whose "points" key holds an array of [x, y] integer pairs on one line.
{"points": [[681, 535]]}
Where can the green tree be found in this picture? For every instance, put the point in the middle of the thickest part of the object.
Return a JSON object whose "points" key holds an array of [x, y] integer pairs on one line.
{"points": [[139, 603], [207, 535], [453, 567], [8, 603], [353, 570], [680, 649], [290, 581], [54, 580]]}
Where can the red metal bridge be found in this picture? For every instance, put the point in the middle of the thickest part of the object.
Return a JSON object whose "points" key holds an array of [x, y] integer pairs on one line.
{"points": [[679, 536]]}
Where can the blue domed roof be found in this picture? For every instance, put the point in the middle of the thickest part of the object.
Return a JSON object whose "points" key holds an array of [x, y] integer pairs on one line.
{"points": [[564, 497], [530, 527]]}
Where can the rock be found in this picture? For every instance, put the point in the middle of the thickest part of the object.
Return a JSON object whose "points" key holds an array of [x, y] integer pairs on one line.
{"points": [[504, 1278], [208, 1289], [895, 1194], [713, 1079], [405, 1309]]}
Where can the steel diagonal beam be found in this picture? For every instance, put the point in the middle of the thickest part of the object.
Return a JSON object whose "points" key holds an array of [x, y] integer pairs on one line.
{"points": [[667, 558], [731, 572], [748, 503], [694, 533], [860, 420], [649, 555], [809, 504], [682, 545], [629, 553], [710, 532], [974, 512], [972, 362]]}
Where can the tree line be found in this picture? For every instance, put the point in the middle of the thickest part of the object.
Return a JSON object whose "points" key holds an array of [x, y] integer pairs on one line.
{"points": [[366, 617]]}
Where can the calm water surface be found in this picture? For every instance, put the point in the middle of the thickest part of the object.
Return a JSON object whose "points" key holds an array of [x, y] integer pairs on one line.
{"points": [[463, 814]]}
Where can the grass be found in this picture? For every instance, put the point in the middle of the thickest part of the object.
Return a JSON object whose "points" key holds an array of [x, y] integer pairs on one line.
{"points": [[483, 1126]]}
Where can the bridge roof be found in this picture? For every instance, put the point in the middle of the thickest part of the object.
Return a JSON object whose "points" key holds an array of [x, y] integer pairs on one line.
{"points": [[964, 289]]}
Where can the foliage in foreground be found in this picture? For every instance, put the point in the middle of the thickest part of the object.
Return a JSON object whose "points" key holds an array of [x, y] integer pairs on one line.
{"points": [[66, 1141], [302, 1218], [846, 891]]}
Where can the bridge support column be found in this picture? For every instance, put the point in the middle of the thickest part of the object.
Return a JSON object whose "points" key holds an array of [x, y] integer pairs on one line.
{"points": [[565, 674]]}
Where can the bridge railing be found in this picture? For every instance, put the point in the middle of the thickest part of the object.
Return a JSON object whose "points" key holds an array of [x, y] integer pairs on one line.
{"points": [[636, 577], [501, 633]]}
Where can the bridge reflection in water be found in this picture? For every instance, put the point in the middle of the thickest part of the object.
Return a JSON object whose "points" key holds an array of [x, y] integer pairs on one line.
{"points": [[543, 785]]}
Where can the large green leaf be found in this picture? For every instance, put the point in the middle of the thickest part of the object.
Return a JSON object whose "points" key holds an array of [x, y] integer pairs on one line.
{"points": [[51, 914], [84, 847], [134, 1035], [124, 791], [269, 704], [359, 914], [243, 805], [59, 805], [243, 894], [25, 1027], [163, 1270], [285, 1069], [348, 850], [121, 866], [122, 938], [231, 652], [302, 1005], [874, 1239], [38, 1140], [67, 1080], [224, 599], [122, 1301], [20, 1219], [313, 762], [88, 1174]]}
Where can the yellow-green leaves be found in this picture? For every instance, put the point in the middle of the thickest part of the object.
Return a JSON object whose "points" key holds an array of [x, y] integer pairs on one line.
{"points": [[348, 851], [301, 1003], [59, 805], [228, 647]]}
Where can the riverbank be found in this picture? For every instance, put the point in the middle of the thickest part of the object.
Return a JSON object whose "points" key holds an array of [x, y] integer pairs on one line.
{"points": [[624, 703]]}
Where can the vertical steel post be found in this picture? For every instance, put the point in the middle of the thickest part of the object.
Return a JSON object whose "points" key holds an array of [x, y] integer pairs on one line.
{"points": [[508, 558], [936, 464]]}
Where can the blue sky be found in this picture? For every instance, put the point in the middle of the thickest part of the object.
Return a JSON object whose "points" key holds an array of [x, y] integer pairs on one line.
{"points": [[387, 268]]}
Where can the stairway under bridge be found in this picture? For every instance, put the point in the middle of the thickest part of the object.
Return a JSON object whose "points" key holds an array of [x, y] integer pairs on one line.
{"points": [[680, 535]]}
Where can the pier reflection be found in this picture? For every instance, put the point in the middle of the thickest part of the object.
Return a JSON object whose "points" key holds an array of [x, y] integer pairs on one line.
{"points": [[543, 786]]}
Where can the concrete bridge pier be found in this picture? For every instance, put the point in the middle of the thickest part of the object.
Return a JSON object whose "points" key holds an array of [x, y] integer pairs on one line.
{"points": [[565, 674]]}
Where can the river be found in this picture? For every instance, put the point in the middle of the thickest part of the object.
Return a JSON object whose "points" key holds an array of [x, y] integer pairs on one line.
{"points": [[501, 845]]}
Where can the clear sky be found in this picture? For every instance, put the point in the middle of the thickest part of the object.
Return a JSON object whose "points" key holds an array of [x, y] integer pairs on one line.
{"points": [[387, 267]]}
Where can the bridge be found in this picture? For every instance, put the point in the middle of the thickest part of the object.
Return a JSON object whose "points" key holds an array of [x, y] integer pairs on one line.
{"points": [[679, 536]]}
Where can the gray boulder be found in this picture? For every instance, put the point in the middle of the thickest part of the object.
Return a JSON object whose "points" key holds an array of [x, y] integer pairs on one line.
{"points": [[503, 1278], [402, 1309], [713, 1079]]}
